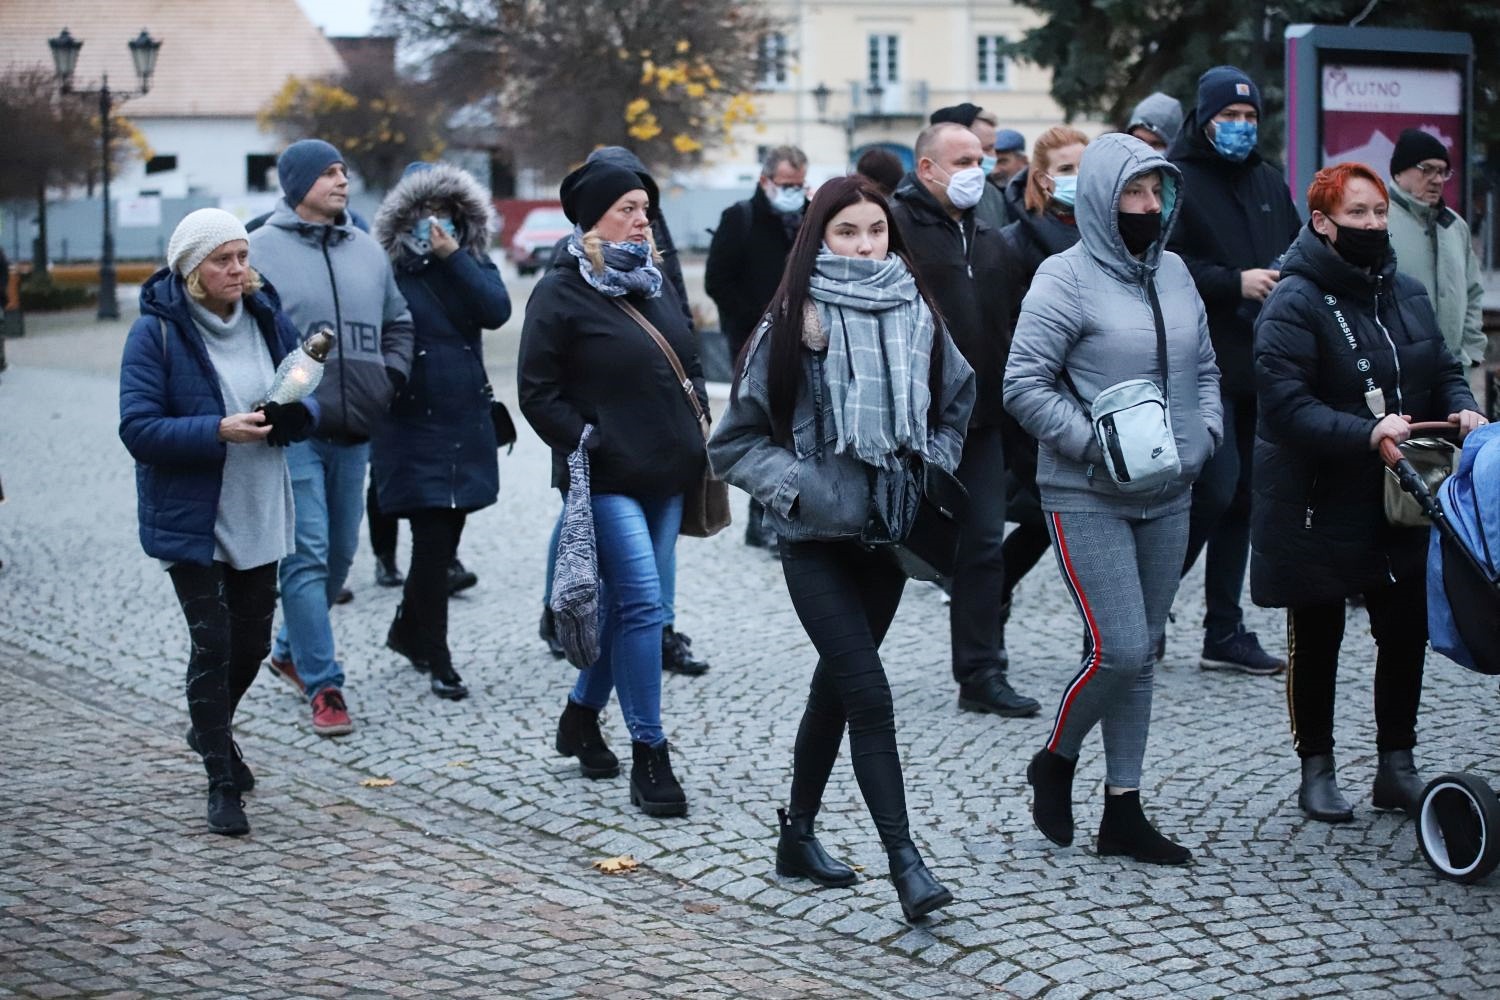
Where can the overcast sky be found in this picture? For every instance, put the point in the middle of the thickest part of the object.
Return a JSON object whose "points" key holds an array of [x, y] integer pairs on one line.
{"points": [[341, 17]]}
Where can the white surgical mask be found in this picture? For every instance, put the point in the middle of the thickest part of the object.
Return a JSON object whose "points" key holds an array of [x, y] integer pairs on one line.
{"points": [[787, 200], [965, 188]]}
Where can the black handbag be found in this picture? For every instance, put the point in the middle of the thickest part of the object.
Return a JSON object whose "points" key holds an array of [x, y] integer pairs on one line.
{"points": [[917, 516], [505, 427]]}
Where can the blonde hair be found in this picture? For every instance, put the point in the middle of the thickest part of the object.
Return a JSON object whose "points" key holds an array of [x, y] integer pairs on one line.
{"points": [[1055, 137], [593, 249], [194, 283]]}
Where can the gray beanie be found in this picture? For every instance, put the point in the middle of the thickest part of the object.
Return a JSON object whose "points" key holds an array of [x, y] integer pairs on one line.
{"points": [[1159, 113], [199, 234]]}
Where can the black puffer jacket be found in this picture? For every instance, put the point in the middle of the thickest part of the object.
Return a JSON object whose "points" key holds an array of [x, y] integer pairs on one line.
{"points": [[1236, 216], [968, 272], [1033, 238], [1328, 333]]}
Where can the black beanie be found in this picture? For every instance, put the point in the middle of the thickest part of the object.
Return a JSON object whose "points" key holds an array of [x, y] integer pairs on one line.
{"points": [[588, 192], [1413, 147], [1222, 86], [960, 114]]}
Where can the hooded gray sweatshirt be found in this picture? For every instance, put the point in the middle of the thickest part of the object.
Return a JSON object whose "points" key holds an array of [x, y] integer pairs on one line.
{"points": [[338, 276], [1089, 309]]}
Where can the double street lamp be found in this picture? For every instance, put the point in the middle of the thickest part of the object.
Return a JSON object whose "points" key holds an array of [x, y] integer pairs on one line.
{"points": [[143, 51], [820, 96]]}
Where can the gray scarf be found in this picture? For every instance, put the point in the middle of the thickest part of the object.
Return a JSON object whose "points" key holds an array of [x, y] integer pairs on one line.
{"points": [[879, 354]]}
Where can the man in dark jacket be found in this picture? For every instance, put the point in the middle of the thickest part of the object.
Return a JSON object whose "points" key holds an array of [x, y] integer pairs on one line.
{"points": [[1237, 220], [745, 261], [329, 273], [962, 262]]}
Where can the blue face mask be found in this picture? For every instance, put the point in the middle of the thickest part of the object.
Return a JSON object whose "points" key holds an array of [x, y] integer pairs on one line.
{"points": [[423, 229], [1065, 189], [987, 164], [1235, 140]]}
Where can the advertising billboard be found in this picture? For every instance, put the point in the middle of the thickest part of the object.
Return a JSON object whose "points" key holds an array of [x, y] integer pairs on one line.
{"points": [[1366, 107]]}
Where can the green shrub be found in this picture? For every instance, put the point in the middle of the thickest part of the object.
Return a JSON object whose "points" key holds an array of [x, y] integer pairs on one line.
{"points": [[39, 293]]}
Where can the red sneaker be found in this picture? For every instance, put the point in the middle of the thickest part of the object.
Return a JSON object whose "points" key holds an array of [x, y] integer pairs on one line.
{"points": [[329, 716], [287, 670]]}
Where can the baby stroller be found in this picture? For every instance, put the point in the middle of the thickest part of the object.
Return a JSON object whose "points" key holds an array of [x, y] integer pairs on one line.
{"points": [[1458, 825]]}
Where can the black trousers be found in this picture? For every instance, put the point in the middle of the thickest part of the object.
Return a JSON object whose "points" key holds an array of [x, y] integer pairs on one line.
{"points": [[1398, 620], [1029, 540], [423, 617], [846, 596], [382, 527], [228, 614], [978, 584], [1220, 519]]}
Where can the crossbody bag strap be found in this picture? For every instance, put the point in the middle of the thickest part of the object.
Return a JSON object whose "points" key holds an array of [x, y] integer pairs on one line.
{"points": [[1161, 338], [1346, 334], [661, 342]]}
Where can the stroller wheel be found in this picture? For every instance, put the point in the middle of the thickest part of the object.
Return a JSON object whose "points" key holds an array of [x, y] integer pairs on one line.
{"points": [[1458, 827]]}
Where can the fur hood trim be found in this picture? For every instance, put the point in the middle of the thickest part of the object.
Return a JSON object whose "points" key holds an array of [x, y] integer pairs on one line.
{"points": [[444, 182]]}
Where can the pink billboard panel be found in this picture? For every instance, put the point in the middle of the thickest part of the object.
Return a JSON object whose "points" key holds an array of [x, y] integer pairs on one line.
{"points": [[1365, 108]]}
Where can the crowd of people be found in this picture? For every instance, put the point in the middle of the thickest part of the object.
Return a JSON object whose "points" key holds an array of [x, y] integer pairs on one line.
{"points": [[1128, 348]]}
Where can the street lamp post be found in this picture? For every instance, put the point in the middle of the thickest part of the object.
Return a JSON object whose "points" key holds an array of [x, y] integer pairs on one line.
{"points": [[143, 52], [850, 122]]}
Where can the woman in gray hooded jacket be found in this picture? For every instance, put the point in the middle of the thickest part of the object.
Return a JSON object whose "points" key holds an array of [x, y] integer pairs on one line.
{"points": [[1115, 307]]}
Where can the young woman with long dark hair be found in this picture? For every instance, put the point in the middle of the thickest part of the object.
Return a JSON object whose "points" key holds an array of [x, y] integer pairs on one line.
{"points": [[850, 370]]}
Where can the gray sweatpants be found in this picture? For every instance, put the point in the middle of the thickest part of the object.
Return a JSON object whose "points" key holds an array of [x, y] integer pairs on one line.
{"points": [[1122, 573]]}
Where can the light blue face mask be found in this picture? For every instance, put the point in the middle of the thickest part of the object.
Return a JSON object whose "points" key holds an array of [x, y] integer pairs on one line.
{"points": [[987, 164], [1235, 140], [1065, 189], [423, 229]]}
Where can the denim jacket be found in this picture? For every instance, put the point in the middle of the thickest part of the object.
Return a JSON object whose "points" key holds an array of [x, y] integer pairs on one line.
{"points": [[831, 491]]}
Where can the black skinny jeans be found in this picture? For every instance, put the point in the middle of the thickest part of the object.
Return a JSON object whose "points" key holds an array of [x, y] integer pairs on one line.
{"points": [[846, 596], [228, 614], [423, 617], [1398, 620]]}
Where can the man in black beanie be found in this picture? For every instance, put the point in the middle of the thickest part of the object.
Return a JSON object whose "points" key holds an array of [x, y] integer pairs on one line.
{"points": [[1433, 245], [1237, 219]]}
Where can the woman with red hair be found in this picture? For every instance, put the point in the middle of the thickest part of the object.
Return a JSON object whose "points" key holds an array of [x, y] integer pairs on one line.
{"points": [[1347, 354]]}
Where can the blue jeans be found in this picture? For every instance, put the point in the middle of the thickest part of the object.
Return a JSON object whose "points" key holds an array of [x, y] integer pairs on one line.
{"points": [[629, 532], [666, 571], [328, 486]]}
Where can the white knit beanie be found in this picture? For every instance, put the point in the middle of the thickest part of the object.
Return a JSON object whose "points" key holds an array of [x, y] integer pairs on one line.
{"points": [[200, 234]]}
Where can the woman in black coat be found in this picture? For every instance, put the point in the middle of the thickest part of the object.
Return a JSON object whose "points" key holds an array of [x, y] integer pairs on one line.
{"points": [[1347, 353], [433, 458]]}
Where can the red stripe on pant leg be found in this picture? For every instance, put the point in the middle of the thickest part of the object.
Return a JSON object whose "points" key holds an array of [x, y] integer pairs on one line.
{"points": [[1091, 665]]}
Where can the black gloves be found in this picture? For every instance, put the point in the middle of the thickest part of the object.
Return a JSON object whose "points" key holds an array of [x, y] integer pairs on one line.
{"points": [[398, 381], [289, 422]]}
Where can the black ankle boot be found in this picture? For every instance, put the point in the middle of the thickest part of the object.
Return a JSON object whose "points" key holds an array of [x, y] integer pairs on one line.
{"points": [[578, 736], [226, 813], [1397, 783], [653, 786], [677, 654], [918, 891], [244, 780], [386, 573], [446, 683], [1051, 778], [1319, 797], [398, 639], [459, 578], [799, 855], [1126, 830]]}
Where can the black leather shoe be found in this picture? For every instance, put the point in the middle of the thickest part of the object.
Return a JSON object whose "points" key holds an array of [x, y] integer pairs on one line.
{"points": [[226, 813], [578, 736], [991, 692], [1125, 830], [799, 855], [459, 578], [1051, 778], [1319, 797], [677, 654], [397, 641], [447, 684], [918, 891], [345, 596], [653, 786], [386, 573], [548, 631], [1397, 783], [244, 779]]}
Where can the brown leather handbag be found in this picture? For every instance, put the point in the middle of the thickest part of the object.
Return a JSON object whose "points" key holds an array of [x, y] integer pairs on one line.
{"points": [[705, 504]]}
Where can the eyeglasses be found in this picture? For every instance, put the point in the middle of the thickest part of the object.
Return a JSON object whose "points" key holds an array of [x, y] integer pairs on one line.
{"points": [[1430, 170]]}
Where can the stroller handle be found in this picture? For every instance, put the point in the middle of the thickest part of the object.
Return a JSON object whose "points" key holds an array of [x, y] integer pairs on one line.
{"points": [[1390, 452]]}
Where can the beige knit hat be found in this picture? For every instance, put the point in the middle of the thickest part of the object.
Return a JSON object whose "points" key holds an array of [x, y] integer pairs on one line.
{"points": [[199, 234]]}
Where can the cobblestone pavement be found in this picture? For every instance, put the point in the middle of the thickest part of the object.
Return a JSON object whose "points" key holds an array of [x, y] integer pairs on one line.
{"points": [[470, 875]]}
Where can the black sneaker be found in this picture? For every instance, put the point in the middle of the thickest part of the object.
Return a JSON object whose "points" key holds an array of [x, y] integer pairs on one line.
{"points": [[1241, 651], [677, 654], [226, 813], [459, 578], [386, 573]]}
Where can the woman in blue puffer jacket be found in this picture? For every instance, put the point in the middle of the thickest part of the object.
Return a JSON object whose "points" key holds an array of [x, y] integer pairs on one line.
{"points": [[215, 502], [433, 456]]}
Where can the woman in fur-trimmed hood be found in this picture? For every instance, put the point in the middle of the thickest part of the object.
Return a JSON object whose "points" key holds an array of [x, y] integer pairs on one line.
{"points": [[433, 458]]}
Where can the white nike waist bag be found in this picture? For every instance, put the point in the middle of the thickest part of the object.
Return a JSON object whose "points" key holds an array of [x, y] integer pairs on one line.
{"points": [[1134, 430]]}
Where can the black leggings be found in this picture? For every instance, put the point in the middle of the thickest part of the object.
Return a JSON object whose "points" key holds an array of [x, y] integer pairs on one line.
{"points": [[1398, 620], [228, 613], [846, 597], [424, 601], [382, 527]]}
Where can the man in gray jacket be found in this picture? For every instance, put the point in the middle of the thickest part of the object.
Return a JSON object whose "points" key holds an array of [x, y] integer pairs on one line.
{"points": [[329, 274]]}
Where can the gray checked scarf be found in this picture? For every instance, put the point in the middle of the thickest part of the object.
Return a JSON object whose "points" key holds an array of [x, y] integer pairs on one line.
{"points": [[879, 353], [627, 268]]}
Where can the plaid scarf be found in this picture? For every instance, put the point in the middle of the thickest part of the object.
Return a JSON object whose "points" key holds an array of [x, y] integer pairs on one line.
{"points": [[627, 268], [879, 352]]}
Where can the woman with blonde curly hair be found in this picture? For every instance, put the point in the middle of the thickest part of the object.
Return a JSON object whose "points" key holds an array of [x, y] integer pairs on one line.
{"points": [[587, 359]]}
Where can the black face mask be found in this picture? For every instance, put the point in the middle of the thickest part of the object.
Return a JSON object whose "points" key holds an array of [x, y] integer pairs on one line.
{"points": [[1141, 229], [1362, 247]]}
